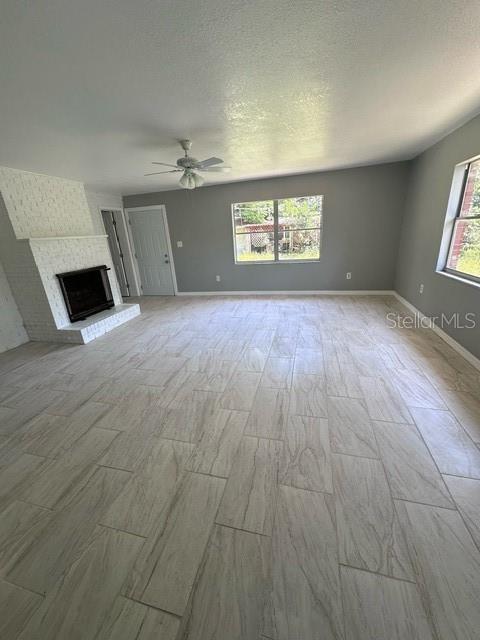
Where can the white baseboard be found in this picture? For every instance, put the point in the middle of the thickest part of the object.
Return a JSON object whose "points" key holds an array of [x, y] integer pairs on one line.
{"points": [[473, 360], [316, 292]]}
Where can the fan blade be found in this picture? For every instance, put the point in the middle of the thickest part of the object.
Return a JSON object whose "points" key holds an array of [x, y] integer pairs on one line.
{"points": [[223, 169], [165, 164], [157, 173], [208, 162]]}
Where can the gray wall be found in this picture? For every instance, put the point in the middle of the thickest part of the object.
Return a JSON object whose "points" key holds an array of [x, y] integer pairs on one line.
{"points": [[362, 218], [422, 231]]}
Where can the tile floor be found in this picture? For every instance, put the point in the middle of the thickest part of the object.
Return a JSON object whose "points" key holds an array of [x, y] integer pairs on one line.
{"points": [[286, 468]]}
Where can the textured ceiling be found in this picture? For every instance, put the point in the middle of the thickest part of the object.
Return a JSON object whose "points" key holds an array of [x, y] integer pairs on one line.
{"points": [[95, 90]]}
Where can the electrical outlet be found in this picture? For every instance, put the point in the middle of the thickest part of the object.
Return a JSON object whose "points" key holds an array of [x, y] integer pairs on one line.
{"points": [[179, 244], [420, 288], [217, 278], [349, 275]]}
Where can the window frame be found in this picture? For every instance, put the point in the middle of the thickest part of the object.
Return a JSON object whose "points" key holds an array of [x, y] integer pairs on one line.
{"points": [[458, 218], [276, 259]]}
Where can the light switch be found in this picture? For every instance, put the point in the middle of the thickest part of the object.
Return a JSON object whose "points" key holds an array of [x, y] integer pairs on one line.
{"points": [[179, 244]]}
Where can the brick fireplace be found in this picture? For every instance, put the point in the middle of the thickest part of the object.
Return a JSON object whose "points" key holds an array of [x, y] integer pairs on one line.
{"points": [[46, 228]]}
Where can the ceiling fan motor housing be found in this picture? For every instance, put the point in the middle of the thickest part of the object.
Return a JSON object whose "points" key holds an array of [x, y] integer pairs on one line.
{"points": [[187, 162]]}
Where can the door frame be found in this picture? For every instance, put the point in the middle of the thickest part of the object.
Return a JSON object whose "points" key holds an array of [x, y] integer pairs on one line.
{"points": [[116, 240], [161, 208]]}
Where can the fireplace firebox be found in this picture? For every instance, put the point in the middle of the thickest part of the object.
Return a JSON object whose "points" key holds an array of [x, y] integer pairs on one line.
{"points": [[86, 291]]}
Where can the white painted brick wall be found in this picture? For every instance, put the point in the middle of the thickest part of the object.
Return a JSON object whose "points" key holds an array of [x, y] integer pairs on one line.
{"points": [[44, 206], [12, 331], [24, 279]]}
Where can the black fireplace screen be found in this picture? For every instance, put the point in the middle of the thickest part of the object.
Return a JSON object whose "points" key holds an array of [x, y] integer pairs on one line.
{"points": [[86, 291]]}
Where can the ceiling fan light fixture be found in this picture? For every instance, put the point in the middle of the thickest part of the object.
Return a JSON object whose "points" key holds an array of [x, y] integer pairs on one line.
{"points": [[198, 180], [188, 180]]}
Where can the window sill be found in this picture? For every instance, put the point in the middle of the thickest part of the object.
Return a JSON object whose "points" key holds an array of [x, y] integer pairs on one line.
{"points": [[452, 276], [246, 264]]}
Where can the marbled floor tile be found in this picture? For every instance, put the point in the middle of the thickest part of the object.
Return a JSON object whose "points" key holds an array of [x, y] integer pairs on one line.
{"points": [[283, 347], [383, 608], [415, 389], [51, 436], [351, 378], [410, 469], [34, 374], [231, 349], [228, 600], [26, 353], [369, 534], [309, 339], [129, 413], [7, 454], [187, 419], [306, 596], [125, 382], [57, 542], [16, 474], [261, 339], [82, 391], [447, 565], [215, 377], [165, 571], [249, 499], [332, 356], [466, 493], [161, 362], [8, 391], [367, 361], [6, 414], [203, 361], [309, 361], [31, 403], [452, 449], [215, 452], [35, 399], [350, 426], [16, 608], [57, 480], [383, 402], [466, 408], [306, 460], [269, 414], [277, 373], [39, 435], [253, 359], [131, 448], [307, 396], [18, 522], [240, 391], [149, 491], [76, 608], [130, 620]]}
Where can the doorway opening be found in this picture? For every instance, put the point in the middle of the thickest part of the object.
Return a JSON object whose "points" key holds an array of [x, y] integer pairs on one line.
{"points": [[118, 252]]}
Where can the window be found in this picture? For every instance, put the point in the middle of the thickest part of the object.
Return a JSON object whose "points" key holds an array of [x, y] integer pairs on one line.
{"points": [[286, 230], [464, 252]]}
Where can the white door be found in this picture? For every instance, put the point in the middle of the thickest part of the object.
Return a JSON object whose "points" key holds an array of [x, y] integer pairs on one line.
{"points": [[151, 251]]}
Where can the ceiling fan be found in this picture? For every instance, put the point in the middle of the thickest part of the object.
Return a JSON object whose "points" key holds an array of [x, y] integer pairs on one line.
{"points": [[191, 166]]}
